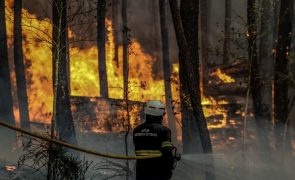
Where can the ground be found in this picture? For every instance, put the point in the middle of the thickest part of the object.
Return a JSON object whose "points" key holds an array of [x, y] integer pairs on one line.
{"points": [[231, 165]]}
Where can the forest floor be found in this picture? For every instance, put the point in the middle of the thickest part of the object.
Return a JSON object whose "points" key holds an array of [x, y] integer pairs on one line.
{"points": [[229, 165]]}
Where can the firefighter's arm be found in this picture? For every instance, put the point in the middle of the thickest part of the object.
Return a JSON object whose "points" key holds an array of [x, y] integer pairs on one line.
{"points": [[167, 149]]}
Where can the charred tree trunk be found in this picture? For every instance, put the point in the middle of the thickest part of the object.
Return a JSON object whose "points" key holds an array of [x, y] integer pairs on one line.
{"points": [[255, 83], [281, 101], [227, 29], [6, 102], [276, 10], [204, 20], [20, 67], [167, 70], [6, 105], [155, 35], [190, 131], [125, 46], [115, 22], [186, 30], [265, 72], [126, 74], [62, 115], [189, 22], [265, 58], [101, 41]]}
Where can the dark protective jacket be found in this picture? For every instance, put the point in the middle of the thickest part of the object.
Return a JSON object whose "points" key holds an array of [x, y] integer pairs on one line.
{"points": [[152, 138]]}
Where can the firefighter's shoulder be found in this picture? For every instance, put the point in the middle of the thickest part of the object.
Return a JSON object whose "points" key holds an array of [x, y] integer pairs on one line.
{"points": [[161, 128], [137, 128]]}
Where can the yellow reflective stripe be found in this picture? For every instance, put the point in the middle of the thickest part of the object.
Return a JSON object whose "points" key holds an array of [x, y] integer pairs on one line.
{"points": [[167, 144], [148, 152]]}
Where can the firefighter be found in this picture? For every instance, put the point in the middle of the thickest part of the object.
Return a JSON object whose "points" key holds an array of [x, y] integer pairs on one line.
{"points": [[152, 138]]}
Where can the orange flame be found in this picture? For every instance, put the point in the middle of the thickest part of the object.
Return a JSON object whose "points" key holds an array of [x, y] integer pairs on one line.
{"points": [[222, 76], [10, 168], [84, 72]]}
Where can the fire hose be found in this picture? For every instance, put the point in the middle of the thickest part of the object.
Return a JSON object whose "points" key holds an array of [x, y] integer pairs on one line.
{"points": [[71, 146]]}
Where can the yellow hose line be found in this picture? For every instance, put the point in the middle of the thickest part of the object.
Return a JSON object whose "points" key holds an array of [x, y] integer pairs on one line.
{"points": [[113, 156]]}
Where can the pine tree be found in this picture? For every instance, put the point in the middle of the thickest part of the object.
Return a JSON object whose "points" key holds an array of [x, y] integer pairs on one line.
{"points": [[101, 41], [167, 70], [281, 102], [20, 67]]}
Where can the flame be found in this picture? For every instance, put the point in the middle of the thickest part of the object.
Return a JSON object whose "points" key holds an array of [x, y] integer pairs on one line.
{"points": [[10, 168], [222, 76], [211, 107], [84, 74]]}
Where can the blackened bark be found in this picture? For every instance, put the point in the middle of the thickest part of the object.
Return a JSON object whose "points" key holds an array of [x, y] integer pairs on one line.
{"points": [[125, 47], [155, 36], [190, 132], [6, 105], [255, 83], [281, 101], [265, 72], [115, 23], [101, 41], [265, 58], [20, 67], [189, 22], [7, 137], [227, 29], [62, 115], [167, 70], [205, 23], [276, 10], [125, 75]]}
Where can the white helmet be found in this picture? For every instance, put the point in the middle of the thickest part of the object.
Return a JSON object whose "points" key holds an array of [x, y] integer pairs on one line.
{"points": [[154, 108]]}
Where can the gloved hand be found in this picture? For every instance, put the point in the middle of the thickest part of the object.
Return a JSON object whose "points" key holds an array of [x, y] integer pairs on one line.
{"points": [[177, 157]]}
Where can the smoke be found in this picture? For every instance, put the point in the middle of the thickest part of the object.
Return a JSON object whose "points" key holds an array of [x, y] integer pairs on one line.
{"points": [[237, 165]]}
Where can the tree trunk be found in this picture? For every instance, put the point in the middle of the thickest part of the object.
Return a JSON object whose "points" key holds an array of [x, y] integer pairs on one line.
{"points": [[190, 132], [190, 56], [101, 41], [62, 114], [265, 58], [255, 83], [155, 36], [265, 72], [125, 74], [115, 23], [227, 29], [276, 10], [20, 67], [125, 47], [205, 23], [167, 70], [6, 103], [281, 101]]}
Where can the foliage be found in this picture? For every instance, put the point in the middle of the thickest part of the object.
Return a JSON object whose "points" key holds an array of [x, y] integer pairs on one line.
{"points": [[65, 165]]}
